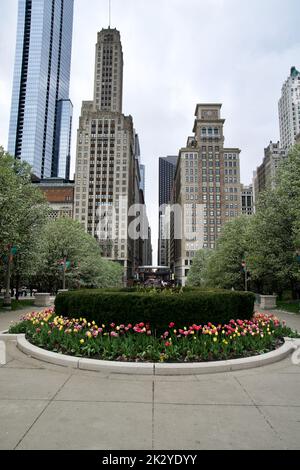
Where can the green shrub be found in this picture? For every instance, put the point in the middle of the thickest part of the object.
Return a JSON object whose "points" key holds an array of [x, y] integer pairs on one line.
{"points": [[159, 309]]}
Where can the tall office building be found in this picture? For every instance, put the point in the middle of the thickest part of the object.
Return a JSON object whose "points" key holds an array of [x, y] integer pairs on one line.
{"points": [[143, 178], [265, 175], [167, 167], [247, 200], [41, 111], [107, 180], [207, 189], [289, 110]]}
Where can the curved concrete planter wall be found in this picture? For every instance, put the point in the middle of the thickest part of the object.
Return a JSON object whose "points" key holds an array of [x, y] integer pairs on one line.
{"points": [[152, 369]]}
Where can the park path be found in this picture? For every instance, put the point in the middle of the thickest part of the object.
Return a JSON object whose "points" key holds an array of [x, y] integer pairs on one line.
{"points": [[10, 317]]}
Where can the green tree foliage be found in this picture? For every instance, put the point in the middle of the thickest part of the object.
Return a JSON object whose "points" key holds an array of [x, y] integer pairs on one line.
{"points": [[197, 272], [224, 267], [23, 210], [268, 241], [40, 244], [65, 239], [271, 254]]}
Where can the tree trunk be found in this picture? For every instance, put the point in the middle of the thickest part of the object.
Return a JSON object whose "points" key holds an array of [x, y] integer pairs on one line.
{"points": [[7, 296], [17, 286]]}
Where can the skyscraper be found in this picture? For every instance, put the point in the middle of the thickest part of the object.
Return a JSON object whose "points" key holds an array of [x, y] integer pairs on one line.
{"points": [[143, 178], [41, 112], [108, 180], [207, 188], [108, 86], [289, 110], [167, 168], [265, 175], [247, 200]]}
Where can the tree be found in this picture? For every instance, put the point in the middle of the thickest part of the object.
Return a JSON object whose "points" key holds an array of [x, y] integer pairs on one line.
{"points": [[274, 237], [199, 266], [23, 210], [224, 267], [288, 189], [271, 255], [72, 254]]}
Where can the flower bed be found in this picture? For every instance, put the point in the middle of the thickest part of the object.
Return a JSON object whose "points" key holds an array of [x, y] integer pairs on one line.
{"points": [[137, 343]]}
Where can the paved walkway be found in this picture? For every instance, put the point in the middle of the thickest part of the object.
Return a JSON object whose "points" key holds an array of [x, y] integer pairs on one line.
{"points": [[292, 319], [7, 318], [50, 407]]}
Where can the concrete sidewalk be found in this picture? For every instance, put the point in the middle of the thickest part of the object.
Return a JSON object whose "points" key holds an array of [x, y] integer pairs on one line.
{"points": [[50, 407], [10, 317], [292, 319], [7, 318]]}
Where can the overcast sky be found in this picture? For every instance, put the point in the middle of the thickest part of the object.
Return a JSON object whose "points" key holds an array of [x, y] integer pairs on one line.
{"points": [[178, 53]]}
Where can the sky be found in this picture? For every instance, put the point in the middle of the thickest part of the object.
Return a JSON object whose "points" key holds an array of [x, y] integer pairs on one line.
{"points": [[178, 53]]}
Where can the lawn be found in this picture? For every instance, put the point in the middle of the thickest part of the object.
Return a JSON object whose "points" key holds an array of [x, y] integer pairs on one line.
{"points": [[292, 306], [18, 304]]}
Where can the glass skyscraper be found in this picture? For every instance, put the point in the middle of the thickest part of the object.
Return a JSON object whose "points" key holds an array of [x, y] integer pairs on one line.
{"points": [[41, 112]]}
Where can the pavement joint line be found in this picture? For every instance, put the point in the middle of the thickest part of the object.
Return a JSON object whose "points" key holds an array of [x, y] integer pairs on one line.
{"points": [[267, 421], [42, 412], [149, 403], [277, 433], [23, 368]]}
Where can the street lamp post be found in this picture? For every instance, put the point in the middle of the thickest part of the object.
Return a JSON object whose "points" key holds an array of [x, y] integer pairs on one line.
{"points": [[246, 275]]}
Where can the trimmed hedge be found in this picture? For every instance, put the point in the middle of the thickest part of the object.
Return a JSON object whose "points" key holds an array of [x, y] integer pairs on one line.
{"points": [[159, 309]]}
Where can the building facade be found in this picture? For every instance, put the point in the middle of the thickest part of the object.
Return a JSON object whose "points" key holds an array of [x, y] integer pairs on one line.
{"points": [[60, 196], [41, 112], [167, 168], [247, 200], [289, 110], [265, 175], [108, 179], [143, 178], [207, 190]]}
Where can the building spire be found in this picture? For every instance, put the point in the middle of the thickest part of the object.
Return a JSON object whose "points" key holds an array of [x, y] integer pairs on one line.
{"points": [[109, 13]]}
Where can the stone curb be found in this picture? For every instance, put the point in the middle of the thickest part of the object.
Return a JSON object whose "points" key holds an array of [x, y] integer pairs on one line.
{"points": [[129, 368], [45, 356], [4, 336], [157, 369]]}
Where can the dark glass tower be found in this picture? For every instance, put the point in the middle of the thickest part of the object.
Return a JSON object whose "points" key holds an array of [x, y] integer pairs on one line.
{"points": [[41, 112], [167, 168]]}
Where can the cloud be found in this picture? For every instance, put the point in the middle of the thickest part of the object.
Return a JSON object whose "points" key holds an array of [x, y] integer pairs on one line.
{"points": [[178, 53]]}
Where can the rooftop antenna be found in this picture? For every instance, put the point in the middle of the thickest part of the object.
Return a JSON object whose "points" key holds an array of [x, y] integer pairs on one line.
{"points": [[109, 1]]}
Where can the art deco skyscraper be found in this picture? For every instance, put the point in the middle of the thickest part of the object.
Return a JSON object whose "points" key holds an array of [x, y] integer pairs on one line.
{"points": [[289, 110], [41, 112], [108, 87], [106, 185], [207, 188]]}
